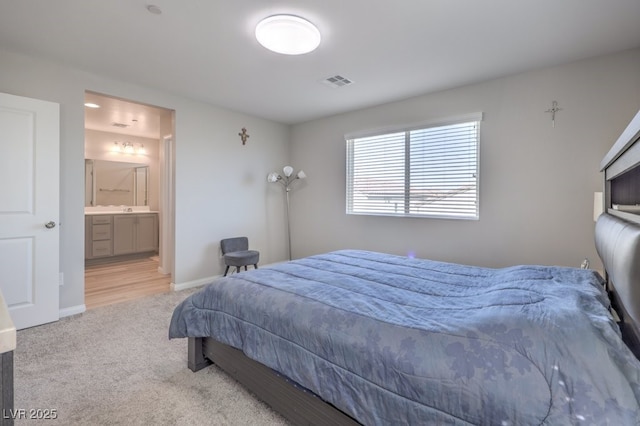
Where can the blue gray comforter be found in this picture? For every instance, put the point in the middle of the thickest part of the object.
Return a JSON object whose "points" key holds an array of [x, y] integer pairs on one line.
{"points": [[395, 340]]}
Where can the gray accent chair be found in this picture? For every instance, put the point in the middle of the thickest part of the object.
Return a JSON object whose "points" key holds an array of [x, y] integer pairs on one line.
{"points": [[235, 252]]}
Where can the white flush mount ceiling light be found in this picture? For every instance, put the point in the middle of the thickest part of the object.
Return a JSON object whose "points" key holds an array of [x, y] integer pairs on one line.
{"points": [[288, 34]]}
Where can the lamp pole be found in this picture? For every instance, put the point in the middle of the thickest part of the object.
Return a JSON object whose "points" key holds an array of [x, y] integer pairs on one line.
{"points": [[286, 181], [286, 190]]}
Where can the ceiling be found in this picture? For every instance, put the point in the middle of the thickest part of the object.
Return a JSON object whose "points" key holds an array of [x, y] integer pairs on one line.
{"points": [[122, 116], [206, 50]]}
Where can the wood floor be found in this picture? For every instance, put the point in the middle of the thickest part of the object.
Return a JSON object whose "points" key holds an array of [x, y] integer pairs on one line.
{"points": [[117, 282]]}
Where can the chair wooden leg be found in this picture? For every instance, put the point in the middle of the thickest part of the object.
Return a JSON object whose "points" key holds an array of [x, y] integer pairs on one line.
{"points": [[255, 266], [237, 269], [245, 267], [225, 271]]}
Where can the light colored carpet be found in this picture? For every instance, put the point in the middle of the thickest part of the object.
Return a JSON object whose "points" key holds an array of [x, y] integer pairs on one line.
{"points": [[115, 365]]}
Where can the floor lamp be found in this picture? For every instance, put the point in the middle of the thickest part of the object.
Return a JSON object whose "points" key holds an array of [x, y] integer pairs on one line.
{"points": [[286, 181]]}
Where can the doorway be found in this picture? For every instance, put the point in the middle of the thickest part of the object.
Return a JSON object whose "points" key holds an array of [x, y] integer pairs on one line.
{"points": [[128, 199]]}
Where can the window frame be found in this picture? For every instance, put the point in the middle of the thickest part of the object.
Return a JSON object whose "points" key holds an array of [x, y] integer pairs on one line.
{"points": [[406, 129]]}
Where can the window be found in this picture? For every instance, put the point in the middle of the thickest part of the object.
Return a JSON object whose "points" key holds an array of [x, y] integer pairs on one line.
{"points": [[422, 171]]}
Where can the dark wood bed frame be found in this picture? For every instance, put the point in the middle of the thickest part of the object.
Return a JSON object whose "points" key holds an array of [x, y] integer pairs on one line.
{"points": [[293, 402], [617, 242]]}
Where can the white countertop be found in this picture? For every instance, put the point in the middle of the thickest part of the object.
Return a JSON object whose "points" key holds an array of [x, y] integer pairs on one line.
{"points": [[7, 329], [118, 212]]}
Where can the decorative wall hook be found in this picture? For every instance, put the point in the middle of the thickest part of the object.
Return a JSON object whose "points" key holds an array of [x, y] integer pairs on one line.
{"points": [[244, 135], [554, 108]]}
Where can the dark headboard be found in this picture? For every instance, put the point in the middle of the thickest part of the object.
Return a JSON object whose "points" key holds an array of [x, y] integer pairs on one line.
{"points": [[618, 245]]}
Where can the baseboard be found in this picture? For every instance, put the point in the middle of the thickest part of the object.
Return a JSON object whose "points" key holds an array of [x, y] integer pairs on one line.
{"points": [[73, 310], [119, 258], [208, 280], [194, 283]]}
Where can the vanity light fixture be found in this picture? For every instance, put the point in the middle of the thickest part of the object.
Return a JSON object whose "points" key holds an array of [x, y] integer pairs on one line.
{"points": [[91, 105], [129, 148], [288, 34]]}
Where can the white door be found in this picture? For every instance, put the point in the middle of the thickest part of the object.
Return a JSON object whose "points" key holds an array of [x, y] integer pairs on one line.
{"points": [[29, 209]]}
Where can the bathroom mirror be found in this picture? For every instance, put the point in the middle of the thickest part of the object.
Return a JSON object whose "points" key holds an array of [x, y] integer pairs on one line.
{"points": [[115, 183]]}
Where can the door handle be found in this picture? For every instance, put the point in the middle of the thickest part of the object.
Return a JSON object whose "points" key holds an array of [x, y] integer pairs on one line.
{"points": [[50, 224]]}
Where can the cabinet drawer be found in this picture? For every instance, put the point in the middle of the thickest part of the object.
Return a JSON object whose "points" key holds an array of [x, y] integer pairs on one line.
{"points": [[100, 220], [101, 248], [101, 232]]}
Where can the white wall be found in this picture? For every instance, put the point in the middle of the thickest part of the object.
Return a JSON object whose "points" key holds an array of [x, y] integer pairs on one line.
{"points": [[536, 182], [221, 187]]}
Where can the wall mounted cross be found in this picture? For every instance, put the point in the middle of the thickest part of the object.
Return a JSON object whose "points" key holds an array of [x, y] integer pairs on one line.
{"points": [[244, 135], [554, 108]]}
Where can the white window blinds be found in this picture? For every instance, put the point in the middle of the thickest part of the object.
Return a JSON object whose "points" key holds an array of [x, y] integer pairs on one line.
{"points": [[430, 171]]}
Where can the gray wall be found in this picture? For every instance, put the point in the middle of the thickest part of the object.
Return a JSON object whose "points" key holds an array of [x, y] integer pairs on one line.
{"points": [[536, 182], [221, 187]]}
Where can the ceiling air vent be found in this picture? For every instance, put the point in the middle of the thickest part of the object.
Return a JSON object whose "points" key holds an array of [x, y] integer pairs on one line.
{"points": [[121, 125], [337, 81]]}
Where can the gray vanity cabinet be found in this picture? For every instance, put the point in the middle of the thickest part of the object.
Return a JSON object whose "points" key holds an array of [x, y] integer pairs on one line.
{"points": [[134, 233], [98, 236], [120, 234]]}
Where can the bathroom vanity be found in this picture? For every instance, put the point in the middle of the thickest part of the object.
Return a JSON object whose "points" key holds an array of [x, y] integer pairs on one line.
{"points": [[118, 219], [120, 233]]}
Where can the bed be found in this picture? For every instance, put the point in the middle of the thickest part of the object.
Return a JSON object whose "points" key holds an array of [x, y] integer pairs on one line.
{"points": [[353, 337], [372, 338]]}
